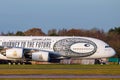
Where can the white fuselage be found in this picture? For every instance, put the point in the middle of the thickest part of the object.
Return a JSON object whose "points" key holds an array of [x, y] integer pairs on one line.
{"points": [[83, 47]]}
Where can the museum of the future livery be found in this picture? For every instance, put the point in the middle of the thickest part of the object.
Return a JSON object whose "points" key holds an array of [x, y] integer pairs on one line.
{"points": [[50, 49]]}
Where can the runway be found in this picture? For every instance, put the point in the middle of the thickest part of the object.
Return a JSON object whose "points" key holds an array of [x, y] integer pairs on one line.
{"points": [[59, 76]]}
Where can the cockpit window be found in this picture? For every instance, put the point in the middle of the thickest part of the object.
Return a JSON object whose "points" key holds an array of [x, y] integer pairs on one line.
{"points": [[107, 46]]}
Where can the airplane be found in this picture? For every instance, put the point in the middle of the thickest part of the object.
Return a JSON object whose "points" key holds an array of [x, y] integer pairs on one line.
{"points": [[50, 49]]}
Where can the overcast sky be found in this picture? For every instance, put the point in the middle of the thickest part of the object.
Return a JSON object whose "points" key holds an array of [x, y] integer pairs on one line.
{"points": [[47, 14]]}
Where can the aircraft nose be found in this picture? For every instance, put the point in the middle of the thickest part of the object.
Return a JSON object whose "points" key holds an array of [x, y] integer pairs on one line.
{"points": [[111, 52]]}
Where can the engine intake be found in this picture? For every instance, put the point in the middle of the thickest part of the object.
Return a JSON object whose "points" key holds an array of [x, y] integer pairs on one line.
{"points": [[16, 53], [40, 56]]}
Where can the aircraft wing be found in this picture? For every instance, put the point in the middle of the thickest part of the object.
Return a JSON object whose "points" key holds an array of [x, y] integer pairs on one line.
{"points": [[28, 54]]}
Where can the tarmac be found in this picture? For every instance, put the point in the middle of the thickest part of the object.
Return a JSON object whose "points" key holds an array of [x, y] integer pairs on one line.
{"points": [[59, 76]]}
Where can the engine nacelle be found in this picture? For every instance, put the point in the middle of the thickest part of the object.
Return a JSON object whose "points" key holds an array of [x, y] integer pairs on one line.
{"points": [[15, 53], [40, 56]]}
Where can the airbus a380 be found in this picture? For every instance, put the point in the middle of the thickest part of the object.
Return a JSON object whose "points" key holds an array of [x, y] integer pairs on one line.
{"points": [[45, 48]]}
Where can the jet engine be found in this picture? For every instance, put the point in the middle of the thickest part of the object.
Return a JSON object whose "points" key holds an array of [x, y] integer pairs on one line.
{"points": [[40, 56], [15, 53]]}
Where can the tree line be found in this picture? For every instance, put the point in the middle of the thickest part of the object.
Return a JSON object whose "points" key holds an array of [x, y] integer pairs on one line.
{"points": [[112, 37]]}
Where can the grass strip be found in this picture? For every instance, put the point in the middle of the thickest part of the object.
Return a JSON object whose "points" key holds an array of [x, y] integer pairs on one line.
{"points": [[59, 66], [60, 69]]}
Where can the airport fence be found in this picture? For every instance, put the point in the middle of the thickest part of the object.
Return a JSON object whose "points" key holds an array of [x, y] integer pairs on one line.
{"points": [[114, 60]]}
